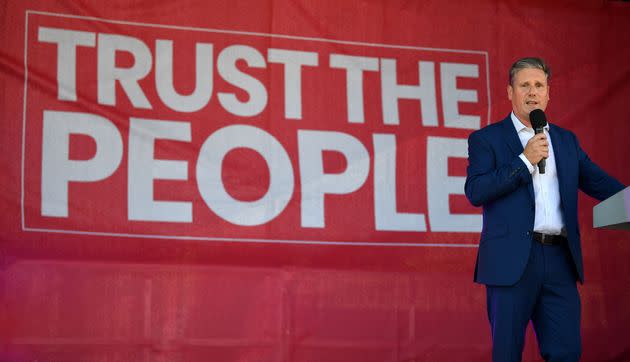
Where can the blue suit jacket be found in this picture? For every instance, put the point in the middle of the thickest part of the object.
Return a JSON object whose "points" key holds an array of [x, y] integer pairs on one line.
{"points": [[499, 180]]}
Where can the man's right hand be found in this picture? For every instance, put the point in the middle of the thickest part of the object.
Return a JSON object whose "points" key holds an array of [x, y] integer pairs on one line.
{"points": [[537, 148]]}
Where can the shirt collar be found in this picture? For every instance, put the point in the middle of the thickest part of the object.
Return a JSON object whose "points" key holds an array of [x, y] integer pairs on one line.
{"points": [[520, 126]]}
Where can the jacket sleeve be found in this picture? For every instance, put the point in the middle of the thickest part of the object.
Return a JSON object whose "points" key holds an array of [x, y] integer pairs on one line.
{"points": [[485, 181], [594, 181]]}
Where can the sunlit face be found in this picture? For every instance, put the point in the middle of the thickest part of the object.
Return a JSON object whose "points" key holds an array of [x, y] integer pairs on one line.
{"points": [[529, 90]]}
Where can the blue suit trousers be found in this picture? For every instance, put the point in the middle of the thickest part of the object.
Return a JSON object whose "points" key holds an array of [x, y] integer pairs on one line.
{"points": [[547, 296]]}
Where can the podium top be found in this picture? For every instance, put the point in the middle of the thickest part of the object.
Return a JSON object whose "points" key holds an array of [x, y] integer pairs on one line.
{"points": [[614, 212]]}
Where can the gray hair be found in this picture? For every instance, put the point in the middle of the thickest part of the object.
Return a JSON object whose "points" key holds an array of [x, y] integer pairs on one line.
{"points": [[530, 62]]}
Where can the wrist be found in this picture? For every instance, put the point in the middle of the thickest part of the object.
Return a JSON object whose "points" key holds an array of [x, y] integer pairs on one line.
{"points": [[527, 162]]}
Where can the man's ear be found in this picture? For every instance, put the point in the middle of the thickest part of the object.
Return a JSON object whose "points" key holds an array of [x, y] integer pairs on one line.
{"points": [[510, 91]]}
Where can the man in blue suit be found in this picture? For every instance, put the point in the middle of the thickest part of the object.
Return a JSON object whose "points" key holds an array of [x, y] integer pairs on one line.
{"points": [[530, 255]]}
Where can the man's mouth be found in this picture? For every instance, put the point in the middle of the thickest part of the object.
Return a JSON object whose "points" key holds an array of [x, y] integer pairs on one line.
{"points": [[532, 103]]}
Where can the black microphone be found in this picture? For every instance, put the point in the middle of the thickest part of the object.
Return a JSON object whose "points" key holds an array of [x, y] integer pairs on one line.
{"points": [[539, 121]]}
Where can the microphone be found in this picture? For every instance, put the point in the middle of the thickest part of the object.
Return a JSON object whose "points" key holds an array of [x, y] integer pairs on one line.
{"points": [[539, 121]]}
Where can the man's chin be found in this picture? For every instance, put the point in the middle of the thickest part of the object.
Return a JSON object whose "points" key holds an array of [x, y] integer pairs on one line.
{"points": [[531, 107]]}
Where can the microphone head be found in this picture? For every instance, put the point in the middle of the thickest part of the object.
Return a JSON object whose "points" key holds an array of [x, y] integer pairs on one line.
{"points": [[537, 118]]}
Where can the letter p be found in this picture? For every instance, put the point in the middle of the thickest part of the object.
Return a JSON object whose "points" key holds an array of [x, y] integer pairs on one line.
{"points": [[57, 167]]}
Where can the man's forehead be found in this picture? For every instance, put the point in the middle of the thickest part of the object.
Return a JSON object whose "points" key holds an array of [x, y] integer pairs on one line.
{"points": [[530, 74]]}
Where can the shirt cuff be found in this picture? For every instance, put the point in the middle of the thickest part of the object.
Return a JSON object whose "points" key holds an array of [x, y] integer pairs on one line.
{"points": [[530, 167]]}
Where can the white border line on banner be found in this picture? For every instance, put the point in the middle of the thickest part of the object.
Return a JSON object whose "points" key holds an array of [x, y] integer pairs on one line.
{"points": [[251, 240], [221, 31], [24, 113]]}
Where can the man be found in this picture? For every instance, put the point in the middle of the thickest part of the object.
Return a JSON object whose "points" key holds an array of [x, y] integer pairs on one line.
{"points": [[530, 254]]}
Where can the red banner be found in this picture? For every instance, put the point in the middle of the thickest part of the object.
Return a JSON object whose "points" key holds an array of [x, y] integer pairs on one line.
{"points": [[171, 131], [277, 180]]}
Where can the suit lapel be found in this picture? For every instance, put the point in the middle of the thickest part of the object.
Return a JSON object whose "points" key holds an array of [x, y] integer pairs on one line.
{"points": [[558, 153], [511, 137]]}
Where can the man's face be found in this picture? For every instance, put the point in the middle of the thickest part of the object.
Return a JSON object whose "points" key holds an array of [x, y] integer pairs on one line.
{"points": [[529, 90]]}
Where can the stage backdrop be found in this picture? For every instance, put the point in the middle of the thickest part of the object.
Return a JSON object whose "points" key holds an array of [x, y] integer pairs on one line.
{"points": [[280, 180]]}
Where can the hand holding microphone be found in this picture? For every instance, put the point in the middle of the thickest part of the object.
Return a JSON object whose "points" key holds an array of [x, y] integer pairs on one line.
{"points": [[537, 148]]}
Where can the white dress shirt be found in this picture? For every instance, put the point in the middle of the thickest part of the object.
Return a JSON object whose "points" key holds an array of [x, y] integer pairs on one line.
{"points": [[548, 218]]}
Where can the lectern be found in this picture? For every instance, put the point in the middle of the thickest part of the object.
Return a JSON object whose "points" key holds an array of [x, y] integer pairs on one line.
{"points": [[614, 212]]}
